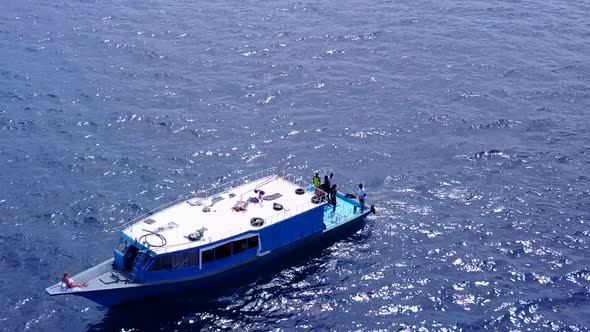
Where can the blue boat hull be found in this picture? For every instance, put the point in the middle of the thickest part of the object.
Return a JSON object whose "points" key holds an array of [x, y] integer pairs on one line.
{"points": [[114, 297]]}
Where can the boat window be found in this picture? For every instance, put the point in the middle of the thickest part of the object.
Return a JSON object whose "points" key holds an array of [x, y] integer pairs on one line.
{"points": [[157, 265], [178, 261], [167, 262], [208, 256], [192, 258], [162, 263], [223, 251], [240, 245], [230, 248], [253, 242], [189, 259]]}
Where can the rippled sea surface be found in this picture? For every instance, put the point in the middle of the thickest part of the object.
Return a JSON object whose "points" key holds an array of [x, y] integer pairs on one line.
{"points": [[467, 121]]}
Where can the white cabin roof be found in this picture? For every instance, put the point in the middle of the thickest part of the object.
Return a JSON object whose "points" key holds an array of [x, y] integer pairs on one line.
{"points": [[178, 221]]}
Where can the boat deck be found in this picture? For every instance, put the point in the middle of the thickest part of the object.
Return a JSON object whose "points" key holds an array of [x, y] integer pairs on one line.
{"points": [[346, 209], [216, 216]]}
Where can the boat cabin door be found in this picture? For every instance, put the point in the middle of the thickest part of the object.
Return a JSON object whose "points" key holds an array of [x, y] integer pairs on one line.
{"points": [[129, 258]]}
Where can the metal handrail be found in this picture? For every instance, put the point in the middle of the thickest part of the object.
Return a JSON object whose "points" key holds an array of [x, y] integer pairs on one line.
{"points": [[342, 216], [216, 189]]}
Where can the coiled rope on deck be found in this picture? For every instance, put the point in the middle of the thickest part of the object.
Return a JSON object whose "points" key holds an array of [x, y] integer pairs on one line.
{"points": [[145, 236]]}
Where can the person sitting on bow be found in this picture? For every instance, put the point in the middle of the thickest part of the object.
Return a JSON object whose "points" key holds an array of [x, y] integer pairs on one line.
{"points": [[70, 284]]}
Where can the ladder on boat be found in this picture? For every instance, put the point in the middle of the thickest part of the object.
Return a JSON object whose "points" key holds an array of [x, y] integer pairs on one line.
{"points": [[137, 264]]}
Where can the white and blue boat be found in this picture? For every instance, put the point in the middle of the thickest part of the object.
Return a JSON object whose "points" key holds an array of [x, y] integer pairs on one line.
{"points": [[213, 235]]}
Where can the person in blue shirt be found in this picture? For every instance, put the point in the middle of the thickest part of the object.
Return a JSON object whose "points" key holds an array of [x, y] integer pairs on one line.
{"points": [[362, 195]]}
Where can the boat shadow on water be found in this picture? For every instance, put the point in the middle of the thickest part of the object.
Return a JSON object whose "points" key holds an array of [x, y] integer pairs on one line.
{"points": [[174, 311]]}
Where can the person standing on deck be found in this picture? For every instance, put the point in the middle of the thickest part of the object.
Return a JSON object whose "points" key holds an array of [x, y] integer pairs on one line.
{"points": [[326, 186], [362, 195], [332, 182], [316, 180], [333, 197]]}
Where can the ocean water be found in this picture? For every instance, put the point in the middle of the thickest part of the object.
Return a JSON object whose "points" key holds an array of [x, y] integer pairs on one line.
{"points": [[468, 123]]}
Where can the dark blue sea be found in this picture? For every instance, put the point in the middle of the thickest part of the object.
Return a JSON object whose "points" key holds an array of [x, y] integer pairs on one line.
{"points": [[467, 121]]}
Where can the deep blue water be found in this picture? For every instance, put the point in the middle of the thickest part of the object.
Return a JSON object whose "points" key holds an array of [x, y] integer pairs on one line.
{"points": [[468, 122]]}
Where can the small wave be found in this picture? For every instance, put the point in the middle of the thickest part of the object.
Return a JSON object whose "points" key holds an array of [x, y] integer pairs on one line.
{"points": [[489, 154], [360, 36], [501, 123]]}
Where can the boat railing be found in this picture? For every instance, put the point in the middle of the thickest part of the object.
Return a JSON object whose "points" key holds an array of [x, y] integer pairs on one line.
{"points": [[342, 216], [205, 194], [303, 184], [222, 187], [288, 213], [297, 180]]}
